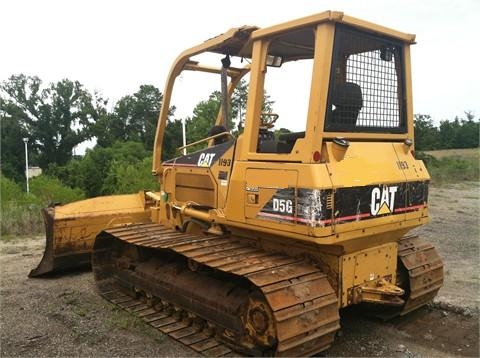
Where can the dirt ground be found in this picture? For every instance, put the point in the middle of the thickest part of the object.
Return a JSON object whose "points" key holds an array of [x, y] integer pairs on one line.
{"points": [[64, 316]]}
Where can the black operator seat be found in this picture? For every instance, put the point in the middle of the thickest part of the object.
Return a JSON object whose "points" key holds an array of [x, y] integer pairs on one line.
{"points": [[217, 130], [266, 141], [348, 101], [287, 141]]}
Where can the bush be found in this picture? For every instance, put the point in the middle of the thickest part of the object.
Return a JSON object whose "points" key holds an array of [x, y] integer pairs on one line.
{"points": [[51, 190], [93, 173], [21, 212], [451, 169], [10, 190], [124, 178]]}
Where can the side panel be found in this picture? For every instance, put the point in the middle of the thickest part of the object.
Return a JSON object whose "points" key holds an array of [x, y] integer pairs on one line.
{"points": [[270, 195], [288, 197], [362, 164], [369, 183], [196, 187], [201, 177]]}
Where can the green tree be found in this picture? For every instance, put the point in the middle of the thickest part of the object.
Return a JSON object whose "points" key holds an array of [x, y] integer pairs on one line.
{"points": [[57, 117], [172, 139], [469, 136], [426, 134], [460, 133], [239, 101], [205, 112], [448, 133], [204, 116], [12, 147], [134, 118], [91, 172], [239, 104], [125, 177]]}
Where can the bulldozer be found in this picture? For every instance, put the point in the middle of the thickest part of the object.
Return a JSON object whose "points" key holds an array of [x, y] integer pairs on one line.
{"points": [[255, 241]]}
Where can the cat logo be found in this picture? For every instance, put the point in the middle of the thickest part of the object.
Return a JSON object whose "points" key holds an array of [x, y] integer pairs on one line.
{"points": [[206, 159], [383, 200]]}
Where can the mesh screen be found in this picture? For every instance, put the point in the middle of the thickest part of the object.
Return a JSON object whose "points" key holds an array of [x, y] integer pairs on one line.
{"points": [[366, 86]]}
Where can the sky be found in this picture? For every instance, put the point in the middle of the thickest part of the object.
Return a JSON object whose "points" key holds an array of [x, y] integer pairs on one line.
{"points": [[116, 46]]}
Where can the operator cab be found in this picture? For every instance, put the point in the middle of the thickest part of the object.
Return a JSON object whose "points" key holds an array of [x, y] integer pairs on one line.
{"points": [[324, 76], [352, 85]]}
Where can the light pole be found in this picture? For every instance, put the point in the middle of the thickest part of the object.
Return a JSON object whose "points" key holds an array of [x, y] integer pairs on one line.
{"points": [[184, 137], [25, 140]]}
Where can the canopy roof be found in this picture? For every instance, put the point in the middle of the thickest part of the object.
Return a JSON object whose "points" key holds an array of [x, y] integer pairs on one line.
{"points": [[294, 39]]}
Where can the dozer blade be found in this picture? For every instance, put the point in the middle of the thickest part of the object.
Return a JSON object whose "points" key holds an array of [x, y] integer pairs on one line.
{"points": [[71, 229]]}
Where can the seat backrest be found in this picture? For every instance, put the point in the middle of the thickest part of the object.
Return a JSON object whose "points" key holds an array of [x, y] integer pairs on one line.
{"points": [[348, 101], [266, 141], [217, 130]]}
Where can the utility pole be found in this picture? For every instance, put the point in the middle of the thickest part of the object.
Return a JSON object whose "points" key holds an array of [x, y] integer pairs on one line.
{"points": [[25, 140], [184, 137]]}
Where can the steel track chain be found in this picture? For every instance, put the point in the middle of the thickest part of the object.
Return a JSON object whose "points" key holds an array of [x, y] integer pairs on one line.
{"points": [[172, 324], [304, 305], [425, 271]]}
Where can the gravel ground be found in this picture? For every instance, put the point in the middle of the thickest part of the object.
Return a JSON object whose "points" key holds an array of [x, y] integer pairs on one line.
{"points": [[455, 230], [63, 316]]}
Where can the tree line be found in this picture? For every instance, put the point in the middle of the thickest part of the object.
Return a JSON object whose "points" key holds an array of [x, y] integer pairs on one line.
{"points": [[57, 117], [459, 133]]}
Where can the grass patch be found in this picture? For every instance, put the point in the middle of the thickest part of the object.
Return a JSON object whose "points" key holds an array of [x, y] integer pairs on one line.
{"points": [[20, 218], [70, 300], [124, 320], [446, 169], [8, 238], [21, 212], [121, 319], [75, 302], [81, 311], [464, 153]]}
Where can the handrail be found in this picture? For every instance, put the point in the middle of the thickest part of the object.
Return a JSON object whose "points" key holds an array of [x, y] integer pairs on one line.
{"points": [[205, 139]]}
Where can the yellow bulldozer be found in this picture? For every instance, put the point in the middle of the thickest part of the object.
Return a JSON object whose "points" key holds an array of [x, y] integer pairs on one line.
{"points": [[254, 242]]}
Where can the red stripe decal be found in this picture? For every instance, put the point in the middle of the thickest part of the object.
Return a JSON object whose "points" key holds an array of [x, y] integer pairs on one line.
{"points": [[329, 221], [410, 208], [292, 218], [351, 217], [180, 165]]}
